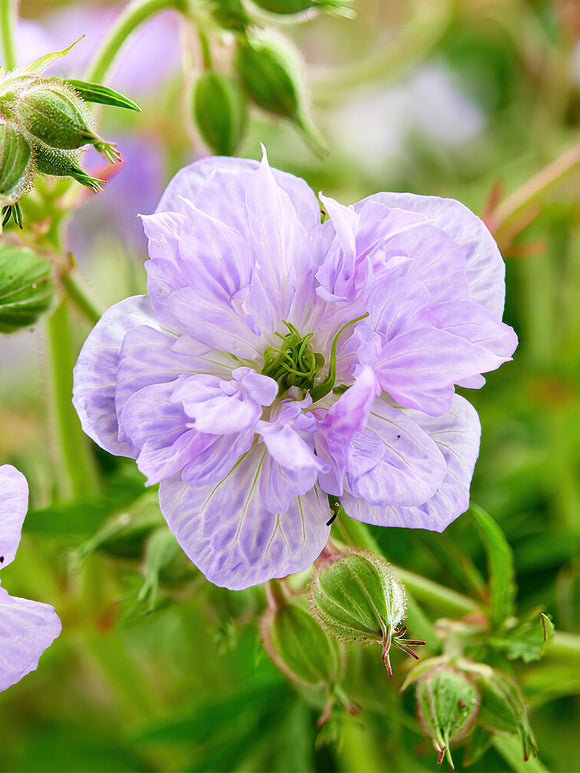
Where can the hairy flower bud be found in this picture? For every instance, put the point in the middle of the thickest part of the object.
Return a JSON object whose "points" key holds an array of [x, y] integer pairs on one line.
{"points": [[64, 164], [15, 164], [356, 598], [447, 704], [298, 646], [49, 110], [220, 111], [26, 287], [503, 709]]}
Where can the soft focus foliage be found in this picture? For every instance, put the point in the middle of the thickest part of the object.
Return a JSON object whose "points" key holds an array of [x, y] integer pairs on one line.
{"points": [[156, 669]]}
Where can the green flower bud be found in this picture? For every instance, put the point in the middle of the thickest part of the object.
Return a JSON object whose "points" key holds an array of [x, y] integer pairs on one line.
{"points": [[50, 110], [287, 7], [269, 71], [64, 163], [230, 14], [503, 709], [356, 598], [299, 647], [220, 111], [26, 287], [447, 704], [15, 164]]}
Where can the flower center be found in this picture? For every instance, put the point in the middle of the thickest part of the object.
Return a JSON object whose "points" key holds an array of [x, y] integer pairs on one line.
{"points": [[293, 364]]}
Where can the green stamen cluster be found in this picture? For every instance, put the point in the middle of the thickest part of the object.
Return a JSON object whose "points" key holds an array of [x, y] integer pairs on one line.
{"points": [[293, 364]]}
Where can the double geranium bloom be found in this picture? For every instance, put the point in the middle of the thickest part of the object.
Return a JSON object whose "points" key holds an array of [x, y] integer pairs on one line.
{"points": [[277, 359]]}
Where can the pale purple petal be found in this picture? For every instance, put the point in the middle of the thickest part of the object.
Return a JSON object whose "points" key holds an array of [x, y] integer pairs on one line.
{"points": [[221, 407], [218, 185], [27, 628], [150, 356], [13, 507], [338, 427], [393, 461], [472, 321], [485, 266], [215, 457], [229, 535], [158, 427], [96, 370], [419, 368], [457, 436]]}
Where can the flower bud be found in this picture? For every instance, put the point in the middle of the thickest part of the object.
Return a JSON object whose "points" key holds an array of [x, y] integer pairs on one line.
{"points": [[220, 111], [503, 709], [447, 704], [15, 164], [49, 110], [270, 74], [299, 647], [230, 14], [64, 163], [288, 7], [26, 287], [356, 598]]}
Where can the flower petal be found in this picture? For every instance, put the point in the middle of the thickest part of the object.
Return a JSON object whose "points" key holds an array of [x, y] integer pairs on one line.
{"points": [[96, 370], [340, 424], [485, 266], [27, 628], [13, 507], [457, 436], [392, 461], [229, 535], [218, 185]]}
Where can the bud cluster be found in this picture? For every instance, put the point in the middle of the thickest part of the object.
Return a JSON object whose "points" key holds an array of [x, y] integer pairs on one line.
{"points": [[44, 125], [265, 70]]}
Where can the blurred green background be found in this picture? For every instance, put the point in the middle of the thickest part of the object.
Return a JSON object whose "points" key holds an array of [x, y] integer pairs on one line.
{"points": [[158, 670]]}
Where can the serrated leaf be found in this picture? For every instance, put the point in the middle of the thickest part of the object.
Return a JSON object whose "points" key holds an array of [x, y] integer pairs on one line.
{"points": [[103, 95], [528, 638], [500, 562]]}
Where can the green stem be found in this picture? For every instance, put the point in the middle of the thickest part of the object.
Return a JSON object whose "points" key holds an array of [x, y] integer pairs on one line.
{"points": [[133, 16], [79, 478], [75, 289], [8, 16], [205, 50], [441, 598], [511, 750]]}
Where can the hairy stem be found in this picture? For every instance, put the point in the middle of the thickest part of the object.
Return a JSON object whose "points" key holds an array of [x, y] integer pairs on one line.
{"points": [[8, 16], [129, 20]]}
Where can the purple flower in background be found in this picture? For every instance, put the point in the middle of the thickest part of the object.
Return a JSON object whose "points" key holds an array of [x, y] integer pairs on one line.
{"points": [[27, 628], [277, 360]]}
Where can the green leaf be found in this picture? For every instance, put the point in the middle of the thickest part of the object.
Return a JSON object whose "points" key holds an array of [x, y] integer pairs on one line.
{"points": [[82, 517], [103, 95], [39, 65], [526, 639], [500, 566]]}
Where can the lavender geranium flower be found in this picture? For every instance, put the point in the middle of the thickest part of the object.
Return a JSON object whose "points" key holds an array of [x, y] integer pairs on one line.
{"points": [[27, 628], [276, 360]]}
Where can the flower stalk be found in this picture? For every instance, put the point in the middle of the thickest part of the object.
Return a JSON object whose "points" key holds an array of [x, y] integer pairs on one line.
{"points": [[8, 16]]}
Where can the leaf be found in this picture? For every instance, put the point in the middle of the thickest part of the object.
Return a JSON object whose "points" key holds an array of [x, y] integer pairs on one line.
{"points": [[500, 563], [83, 517], [104, 95], [527, 639], [39, 65]]}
